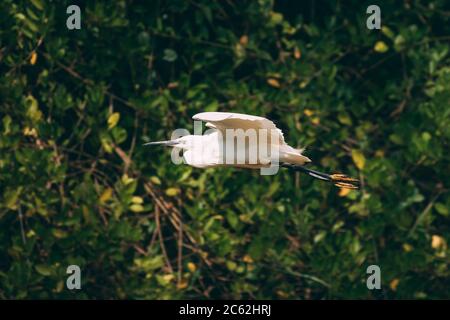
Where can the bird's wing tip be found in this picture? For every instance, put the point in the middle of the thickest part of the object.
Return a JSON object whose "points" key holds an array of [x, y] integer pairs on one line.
{"points": [[211, 116], [215, 116]]}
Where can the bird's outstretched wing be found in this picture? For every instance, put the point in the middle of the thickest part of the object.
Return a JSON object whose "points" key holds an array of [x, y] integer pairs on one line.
{"points": [[231, 120]]}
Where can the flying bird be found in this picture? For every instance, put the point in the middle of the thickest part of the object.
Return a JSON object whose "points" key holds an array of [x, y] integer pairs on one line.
{"points": [[220, 146]]}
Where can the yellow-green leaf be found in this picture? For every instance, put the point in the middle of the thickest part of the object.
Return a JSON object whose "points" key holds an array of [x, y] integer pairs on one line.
{"points": [[136, 208], [155, 180], [38, 4], [137, 200], [113, 120], [442, 209], [344, 118], [43, 269], [106, 195], [303, 84], [106, 144], [7, 124], [407, 247], [387, 32], [30, 234], [358, 159], [11, 197], [308, 112], [126, 180], [171, 192], [59, 234], [276, 17], [33, 112], [231, 265], [380, 47]]}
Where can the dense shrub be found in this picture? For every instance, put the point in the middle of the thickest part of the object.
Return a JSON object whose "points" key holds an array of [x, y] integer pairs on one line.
{"points": [[77, 187]]}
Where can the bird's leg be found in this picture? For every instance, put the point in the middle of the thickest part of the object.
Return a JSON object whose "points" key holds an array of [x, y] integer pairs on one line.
{"points": [[344, 181], [338, 179]]}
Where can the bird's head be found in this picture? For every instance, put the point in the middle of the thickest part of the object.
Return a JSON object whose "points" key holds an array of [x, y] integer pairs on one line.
{"points": [[182, 142]]}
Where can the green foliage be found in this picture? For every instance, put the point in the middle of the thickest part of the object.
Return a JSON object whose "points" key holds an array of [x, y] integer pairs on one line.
{"points": [[76, 187]]}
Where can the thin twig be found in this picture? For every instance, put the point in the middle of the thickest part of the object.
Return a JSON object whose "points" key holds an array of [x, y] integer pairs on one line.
{"points": [[423, 214], [307, 276], [180, 248], [22, 229], [86, 81], [161, 240]]}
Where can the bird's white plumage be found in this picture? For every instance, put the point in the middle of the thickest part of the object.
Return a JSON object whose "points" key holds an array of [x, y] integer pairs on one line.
{"points": [[221, 116], [230, 120]]}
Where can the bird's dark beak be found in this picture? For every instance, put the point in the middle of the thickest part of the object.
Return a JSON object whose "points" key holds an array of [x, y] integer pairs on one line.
{"points": [[163, 143]]}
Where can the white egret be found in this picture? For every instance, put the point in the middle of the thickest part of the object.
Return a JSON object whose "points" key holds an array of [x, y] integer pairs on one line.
{"points": [[257, 136]]}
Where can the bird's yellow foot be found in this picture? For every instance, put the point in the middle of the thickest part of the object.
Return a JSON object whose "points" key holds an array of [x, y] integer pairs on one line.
{"points": [[343, 181]]}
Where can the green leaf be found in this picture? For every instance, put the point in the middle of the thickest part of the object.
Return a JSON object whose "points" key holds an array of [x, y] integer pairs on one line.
{"points": [[6, 124], [119, 135], [149, 263], [399, 43], [43, 269], [345, 119], [442, 209], [320, 236], [11, 197], [232, 219], [170, 55], [38, 4], [276, 18], [33, 112], [59, 234]]}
